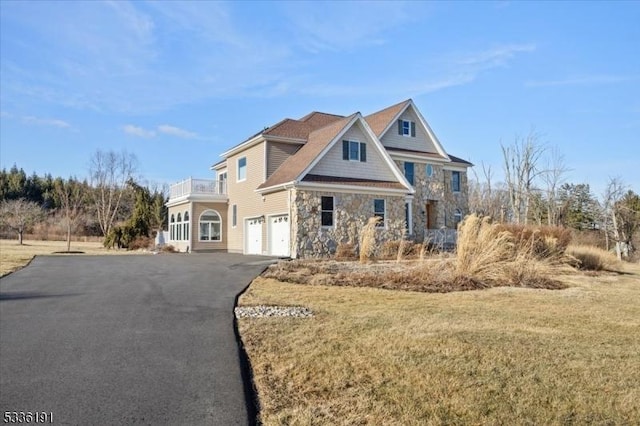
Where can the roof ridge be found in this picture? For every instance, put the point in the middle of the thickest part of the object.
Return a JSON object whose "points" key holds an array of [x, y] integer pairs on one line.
{"points": [[308, 116], [348, 117], [390, 107]]}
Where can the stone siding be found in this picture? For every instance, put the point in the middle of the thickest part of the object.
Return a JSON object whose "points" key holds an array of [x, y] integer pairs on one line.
{"points": [[436, 188], [351, 212]]}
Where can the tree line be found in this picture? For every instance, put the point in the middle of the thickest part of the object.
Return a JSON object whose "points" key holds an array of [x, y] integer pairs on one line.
{"points": [[535, 190], [110, 202]]}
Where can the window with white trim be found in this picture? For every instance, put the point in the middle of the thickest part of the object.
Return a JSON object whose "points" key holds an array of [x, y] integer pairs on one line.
{"points": [[379, 211], [172, 228], [326, 211], [428, 170], [354, 151], [210, 226], [222, 183], [407, 128], [234, 215], [185, 226], [242, 169], [179, 227], [455, 181], [408, 171]]}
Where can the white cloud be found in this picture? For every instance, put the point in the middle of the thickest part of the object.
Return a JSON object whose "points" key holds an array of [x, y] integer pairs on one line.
{"points": [[345, 25], [46, 122], [176, 131], [140, 132], [587, 80], [38, 121], [439, 74], [495, 56]]}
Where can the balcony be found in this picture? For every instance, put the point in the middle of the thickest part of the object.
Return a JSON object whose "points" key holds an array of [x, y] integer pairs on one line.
{"points": [[203, 188]]}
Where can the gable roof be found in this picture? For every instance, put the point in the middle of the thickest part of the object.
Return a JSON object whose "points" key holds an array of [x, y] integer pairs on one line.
{"points": [[382, 120], [298, 165], [290, 129], [318, 140], [379, 121]]}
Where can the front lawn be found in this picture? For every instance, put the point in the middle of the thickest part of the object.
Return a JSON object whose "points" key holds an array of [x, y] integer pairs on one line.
{"points": [[497, 356]]}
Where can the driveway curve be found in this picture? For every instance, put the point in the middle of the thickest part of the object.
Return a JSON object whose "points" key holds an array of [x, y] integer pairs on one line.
{"points": [[125, 339]]}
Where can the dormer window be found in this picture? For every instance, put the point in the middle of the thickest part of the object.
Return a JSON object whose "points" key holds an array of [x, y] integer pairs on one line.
{"points": [[354, 151], [407, 128]]}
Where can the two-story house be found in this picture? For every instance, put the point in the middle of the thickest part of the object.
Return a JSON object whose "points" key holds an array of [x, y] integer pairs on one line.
{"points": [[301, 187]]}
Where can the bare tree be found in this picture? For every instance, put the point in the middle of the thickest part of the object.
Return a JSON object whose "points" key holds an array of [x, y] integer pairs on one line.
{"points": [[610, 199], [521, 169], [553, 177], [19, 215], [485, 197], [71, 196], [109, 173]]}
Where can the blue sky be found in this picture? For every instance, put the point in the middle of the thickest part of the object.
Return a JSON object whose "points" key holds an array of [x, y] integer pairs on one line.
{"points": [[177, 83]]}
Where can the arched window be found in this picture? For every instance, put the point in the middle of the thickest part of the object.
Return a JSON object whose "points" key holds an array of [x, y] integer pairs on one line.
{"points": [[172, 228], [179, 227], [210, 226], [185, 226], [457, 217]]}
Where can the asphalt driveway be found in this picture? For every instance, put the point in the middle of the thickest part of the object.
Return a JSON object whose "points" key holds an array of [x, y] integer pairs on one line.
{"points": [[125, 339]]}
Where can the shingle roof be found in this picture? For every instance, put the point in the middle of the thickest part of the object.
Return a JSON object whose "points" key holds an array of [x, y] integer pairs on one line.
{"points": [[293, 166], [459, 160], [414, 152], [336, 180], [378, 121], [300, 129]]}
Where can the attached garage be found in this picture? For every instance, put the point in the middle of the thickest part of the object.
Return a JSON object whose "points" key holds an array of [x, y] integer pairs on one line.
{"points": [[278, 235], [253, 236]]}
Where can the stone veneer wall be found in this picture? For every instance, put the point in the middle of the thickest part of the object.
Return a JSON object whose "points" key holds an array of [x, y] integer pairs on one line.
{"points": [[351, 212], [436, 188]]}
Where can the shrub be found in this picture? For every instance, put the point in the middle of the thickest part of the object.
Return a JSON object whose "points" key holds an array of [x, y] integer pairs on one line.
{"points": [[345, 251], [168, 248], [544, 242], [368, 239], [483, 248], [493, 253], [591, 258], [140, 243]]}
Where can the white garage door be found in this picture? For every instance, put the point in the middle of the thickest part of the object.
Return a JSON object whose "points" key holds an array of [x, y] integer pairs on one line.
{"points": [[253, 236], [279, 235]]}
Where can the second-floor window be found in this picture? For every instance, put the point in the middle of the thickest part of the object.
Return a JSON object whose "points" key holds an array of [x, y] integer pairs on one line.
{"points": [[408, 171], [326, 209], [455, 181], [242, 169], [354, 151], [407, 128]]}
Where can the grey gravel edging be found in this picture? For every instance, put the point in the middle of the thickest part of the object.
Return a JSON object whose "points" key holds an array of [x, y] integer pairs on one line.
{"points": [[263, 311]]}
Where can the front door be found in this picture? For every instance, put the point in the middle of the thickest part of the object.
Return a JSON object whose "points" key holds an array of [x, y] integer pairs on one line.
{"points": [[430, 212]]}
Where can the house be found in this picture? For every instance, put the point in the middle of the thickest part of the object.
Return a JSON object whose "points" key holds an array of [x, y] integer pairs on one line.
{"points": [[301, 187]]}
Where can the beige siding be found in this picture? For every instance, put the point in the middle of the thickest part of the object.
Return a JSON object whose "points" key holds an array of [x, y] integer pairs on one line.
{"points": [[375, 167], [421, 142], [197, 209], [249, 203], [277, 152]]}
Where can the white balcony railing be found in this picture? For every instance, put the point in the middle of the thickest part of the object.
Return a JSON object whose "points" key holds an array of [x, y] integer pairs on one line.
{"points": [[198, 186]]}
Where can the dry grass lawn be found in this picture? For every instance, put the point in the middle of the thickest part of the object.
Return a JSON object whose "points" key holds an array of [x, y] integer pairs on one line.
{"points": [[497, 356], [13, 256]]}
